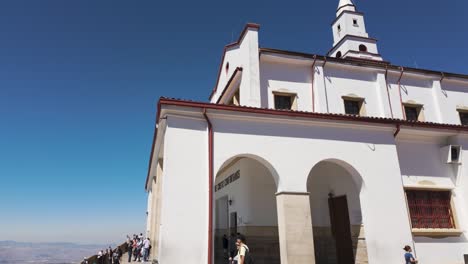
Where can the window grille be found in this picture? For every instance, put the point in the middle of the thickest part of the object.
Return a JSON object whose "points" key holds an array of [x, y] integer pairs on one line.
{"points": [[283, 102], [352, 107], [464, 118], [430, 209]]}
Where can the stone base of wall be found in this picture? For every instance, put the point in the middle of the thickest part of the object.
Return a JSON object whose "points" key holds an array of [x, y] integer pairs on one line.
{"points": [[324, 242]]}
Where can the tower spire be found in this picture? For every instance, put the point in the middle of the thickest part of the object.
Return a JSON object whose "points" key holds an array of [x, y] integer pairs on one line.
{"points": [[345, 5], [350, 38]]}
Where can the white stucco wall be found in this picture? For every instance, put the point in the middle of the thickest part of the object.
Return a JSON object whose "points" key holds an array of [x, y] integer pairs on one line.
{"points": [[422, 164], [244, 55], [184, 216], [453, 95]]}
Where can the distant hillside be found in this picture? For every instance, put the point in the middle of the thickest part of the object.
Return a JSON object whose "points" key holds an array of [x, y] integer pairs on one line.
{"points": [[12, 252]]}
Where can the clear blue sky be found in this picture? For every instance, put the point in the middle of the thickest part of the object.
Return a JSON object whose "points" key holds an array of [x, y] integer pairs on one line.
{"points": [[79, 81]]}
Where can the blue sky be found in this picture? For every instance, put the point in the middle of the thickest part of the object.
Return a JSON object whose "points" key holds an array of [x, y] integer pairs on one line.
{"points": [[79, 82]]}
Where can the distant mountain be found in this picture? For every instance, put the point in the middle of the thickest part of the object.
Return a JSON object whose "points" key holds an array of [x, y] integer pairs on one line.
{"points": [[12, 252]]}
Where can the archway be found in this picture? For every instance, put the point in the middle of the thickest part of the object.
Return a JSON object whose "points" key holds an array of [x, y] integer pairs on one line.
{"points": [[336, 190], [245, 203]]}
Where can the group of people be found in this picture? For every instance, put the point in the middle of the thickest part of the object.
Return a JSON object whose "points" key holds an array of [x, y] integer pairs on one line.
{"points": [[236, 250], [138, 247], [108, 256]]}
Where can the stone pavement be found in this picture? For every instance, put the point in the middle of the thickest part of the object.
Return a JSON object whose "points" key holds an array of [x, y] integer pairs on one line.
{"points": [[125, 258]]}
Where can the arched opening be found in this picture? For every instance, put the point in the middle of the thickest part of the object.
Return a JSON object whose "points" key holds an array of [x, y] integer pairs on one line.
{"points": [[338, 54], [335, 200], [245, 202], [362, 48]]}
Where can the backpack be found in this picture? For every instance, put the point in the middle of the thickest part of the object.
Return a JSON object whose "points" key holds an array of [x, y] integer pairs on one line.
{"points": [[248, 257]]}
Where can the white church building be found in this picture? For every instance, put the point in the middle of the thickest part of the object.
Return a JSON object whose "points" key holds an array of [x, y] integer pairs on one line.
{"points": [[343, 158]]}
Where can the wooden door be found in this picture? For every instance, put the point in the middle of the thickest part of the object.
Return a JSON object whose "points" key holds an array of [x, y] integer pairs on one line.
{"points": [[341, 229]]}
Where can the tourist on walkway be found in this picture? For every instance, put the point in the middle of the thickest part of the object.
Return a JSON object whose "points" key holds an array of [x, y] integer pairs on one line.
{"points": [[100, 257], [225, 246], [130, 250], [409, 259], [243, 254], [146, 247], [116, 257], [232, 247]]}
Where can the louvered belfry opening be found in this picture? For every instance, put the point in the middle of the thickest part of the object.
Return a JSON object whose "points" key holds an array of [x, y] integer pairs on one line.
{"points": [[430, 209]]}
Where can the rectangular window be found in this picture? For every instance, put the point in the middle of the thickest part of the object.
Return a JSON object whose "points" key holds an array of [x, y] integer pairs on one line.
{"points": [[464, 118], [352, 107], [430, 209], [412, 112], [283, 102]]}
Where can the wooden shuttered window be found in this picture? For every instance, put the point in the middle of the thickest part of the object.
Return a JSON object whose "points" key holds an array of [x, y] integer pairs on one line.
{"points": [[430, 209]]}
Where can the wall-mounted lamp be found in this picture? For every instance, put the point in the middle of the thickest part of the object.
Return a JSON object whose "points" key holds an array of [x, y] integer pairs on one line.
{"points": [[230, 202]]}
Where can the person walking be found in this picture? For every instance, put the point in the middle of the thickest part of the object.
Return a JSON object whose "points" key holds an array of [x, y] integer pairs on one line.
{"points": [[130, 250], [243, 253], [409, 258]]}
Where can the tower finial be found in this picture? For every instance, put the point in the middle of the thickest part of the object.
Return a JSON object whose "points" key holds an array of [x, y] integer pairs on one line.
{"points": [[345, 5]]}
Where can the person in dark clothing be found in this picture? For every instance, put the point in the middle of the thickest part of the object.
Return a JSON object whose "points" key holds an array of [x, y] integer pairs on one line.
{"points": [[232, 247], [225, 246]]}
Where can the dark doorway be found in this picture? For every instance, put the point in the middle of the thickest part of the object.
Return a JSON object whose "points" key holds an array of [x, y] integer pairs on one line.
{"points": [[341, 229], [233, 223]]}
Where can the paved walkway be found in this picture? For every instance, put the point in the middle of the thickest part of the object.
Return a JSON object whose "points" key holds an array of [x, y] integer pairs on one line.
{"points": [[125, 258]]}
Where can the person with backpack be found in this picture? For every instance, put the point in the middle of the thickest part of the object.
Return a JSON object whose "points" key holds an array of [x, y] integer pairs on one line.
{"points": [[243, 253]]}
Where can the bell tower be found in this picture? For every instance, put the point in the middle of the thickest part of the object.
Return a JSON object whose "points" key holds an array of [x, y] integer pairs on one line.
{"points": [[350, 38]]}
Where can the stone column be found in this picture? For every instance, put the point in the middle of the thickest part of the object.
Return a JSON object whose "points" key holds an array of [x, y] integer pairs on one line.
{"points": [[295, 228]]}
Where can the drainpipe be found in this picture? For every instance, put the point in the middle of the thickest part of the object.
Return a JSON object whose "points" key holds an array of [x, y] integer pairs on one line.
{"points": [[442, 78], [312, 83], [210, 187], [388, 91], [325, 83], [399, 92], [397, 131]]}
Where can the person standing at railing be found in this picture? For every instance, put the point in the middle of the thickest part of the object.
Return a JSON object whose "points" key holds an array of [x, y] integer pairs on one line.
{"points": [[146, 247]]}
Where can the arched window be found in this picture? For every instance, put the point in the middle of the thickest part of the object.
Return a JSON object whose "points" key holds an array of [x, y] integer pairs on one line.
{"points": [[362, 48], [338, 54]]}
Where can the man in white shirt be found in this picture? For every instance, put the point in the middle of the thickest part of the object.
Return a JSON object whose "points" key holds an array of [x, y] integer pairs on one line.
{"points": [[146, 246]]}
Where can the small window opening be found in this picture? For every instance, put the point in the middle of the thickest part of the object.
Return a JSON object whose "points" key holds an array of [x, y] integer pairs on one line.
{"points": [[227, 67], [339, 28], [353, 107], [464, 118], [338, 54], [454, 153], [284, 101], [413, 112], [355, 22], [362, 48]]}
